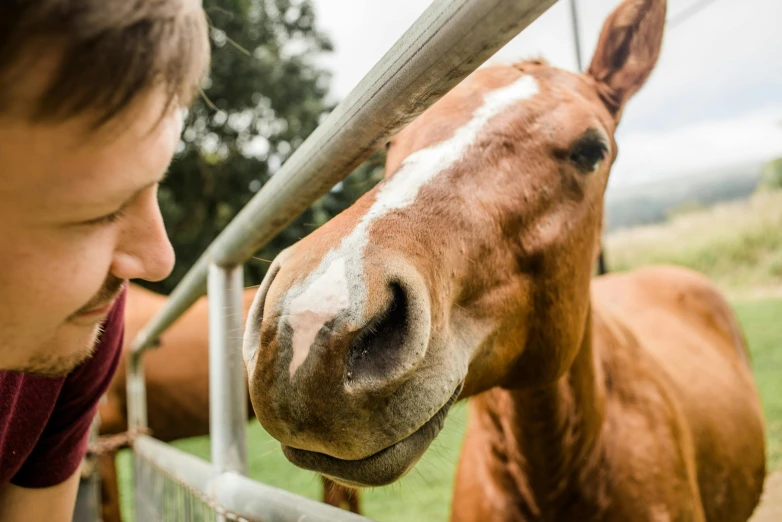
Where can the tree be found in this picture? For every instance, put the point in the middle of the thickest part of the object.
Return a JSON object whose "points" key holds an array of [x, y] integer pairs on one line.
{"points": [[263, 97]]}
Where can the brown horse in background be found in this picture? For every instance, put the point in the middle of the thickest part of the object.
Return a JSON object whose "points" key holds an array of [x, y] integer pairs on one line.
{"points": [[467, 273], [177, 377]]}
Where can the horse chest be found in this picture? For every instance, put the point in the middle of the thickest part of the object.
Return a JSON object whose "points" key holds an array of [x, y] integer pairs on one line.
{"points": [[634, 470]]}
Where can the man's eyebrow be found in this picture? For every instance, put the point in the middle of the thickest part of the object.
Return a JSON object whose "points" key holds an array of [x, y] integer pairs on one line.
{"points": [[138, 191]]}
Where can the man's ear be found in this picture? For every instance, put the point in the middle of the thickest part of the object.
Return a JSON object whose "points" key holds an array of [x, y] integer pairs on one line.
{"points": [[627, 51]]}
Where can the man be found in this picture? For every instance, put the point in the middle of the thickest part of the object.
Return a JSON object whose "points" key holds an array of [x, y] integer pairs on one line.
{"points": [[91, 100]]}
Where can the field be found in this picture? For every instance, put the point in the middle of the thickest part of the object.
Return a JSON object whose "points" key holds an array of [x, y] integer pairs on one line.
{"points": [[738, 244]]}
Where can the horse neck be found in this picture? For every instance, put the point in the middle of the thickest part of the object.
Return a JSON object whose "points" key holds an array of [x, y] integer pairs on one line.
{"points": [[556, 433]]}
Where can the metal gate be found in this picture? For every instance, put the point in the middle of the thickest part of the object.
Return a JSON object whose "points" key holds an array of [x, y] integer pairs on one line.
{"points": [[450, 39]]}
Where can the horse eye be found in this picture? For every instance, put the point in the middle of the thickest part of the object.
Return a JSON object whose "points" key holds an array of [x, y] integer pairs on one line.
{"points": [[587, 153]]}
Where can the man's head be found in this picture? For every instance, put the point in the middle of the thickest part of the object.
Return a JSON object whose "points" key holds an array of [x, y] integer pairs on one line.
{"points": [[91, 93]]}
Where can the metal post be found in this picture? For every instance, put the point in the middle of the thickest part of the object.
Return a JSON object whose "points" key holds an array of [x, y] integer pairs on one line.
{"points": [[87, 507], [602, 268], [576, 36], [137, 392], [227, 387], [88, 501]]}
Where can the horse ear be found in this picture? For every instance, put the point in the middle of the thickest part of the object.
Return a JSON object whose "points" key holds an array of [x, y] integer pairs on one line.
{"points": [[627, 51]]}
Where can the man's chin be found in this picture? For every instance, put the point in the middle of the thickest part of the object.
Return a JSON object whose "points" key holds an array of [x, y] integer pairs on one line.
{"points": [[54, 367], [50, 363]]}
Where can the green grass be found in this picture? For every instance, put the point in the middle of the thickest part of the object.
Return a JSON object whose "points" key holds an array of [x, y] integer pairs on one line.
{"points": [[762, 324], [425, 494]]}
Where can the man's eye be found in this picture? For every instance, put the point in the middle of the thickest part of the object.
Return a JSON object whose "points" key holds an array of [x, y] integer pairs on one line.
{"points": [[107, 219]]}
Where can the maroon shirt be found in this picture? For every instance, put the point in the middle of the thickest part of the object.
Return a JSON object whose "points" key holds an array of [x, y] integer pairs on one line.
{"points": [[45, 422]]}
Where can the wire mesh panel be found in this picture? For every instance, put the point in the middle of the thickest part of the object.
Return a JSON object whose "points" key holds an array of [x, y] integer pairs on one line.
{"points": [[174, 486], [160, 497]]}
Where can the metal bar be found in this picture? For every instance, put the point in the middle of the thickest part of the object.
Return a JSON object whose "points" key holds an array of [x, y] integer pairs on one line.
{"points": [[601, 262], [155, 460], [576, 35], [137, 391], [87, 507], [227, 387], [449, 41], [235, 494], [255, 501], [88, 502]]}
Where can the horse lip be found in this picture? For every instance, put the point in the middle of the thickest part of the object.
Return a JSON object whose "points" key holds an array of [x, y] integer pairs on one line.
{"points": [[381, 468]]}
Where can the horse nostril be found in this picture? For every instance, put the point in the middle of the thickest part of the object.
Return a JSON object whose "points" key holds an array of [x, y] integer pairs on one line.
{"points": [[379, 352]]}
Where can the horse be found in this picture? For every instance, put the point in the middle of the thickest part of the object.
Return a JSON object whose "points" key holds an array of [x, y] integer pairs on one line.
{"points": [[177, 377], [467, 272]]}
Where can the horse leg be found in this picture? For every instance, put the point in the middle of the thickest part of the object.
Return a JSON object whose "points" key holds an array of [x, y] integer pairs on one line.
{"points": [[353, 500], [109, 487], [340, 496]]}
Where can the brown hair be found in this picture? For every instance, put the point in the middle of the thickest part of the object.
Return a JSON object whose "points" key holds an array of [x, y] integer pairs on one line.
{"points": [[107, 53]]}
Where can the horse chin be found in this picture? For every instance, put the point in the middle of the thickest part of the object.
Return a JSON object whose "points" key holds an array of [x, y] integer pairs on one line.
{"points": [[382, 468]]}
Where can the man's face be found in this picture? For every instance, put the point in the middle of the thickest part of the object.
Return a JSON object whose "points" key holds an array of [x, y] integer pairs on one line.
{"points": [[78, 217]]}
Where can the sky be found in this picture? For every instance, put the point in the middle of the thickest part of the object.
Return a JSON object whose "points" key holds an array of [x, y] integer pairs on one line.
{"points": [[714, 99]]}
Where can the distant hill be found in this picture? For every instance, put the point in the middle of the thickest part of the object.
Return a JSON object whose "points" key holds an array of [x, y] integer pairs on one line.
{"points": [[655, 202]]}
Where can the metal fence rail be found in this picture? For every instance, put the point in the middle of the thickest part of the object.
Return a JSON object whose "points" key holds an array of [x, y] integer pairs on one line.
{"points": [[450, 39], [166, 494], [188, 488]]}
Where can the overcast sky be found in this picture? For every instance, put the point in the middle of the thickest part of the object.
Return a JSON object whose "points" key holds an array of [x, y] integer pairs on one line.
{"points": [[715, 98]]}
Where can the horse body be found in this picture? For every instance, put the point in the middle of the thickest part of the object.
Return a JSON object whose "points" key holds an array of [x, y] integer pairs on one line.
{"points": [[633, 431], [467, 273]]}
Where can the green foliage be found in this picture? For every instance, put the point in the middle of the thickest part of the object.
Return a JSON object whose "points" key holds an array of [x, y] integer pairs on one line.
{"points": [[772, 176], [263, 97]]}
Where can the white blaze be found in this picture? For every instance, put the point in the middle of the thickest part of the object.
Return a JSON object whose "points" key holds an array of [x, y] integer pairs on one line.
{"points": [[316, 306], [421, 166], [326, 290]]}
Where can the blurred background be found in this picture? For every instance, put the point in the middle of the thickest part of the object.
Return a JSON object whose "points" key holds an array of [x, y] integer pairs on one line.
{"points": [[704, 130], [698, 180]]}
